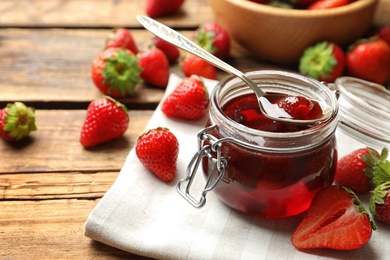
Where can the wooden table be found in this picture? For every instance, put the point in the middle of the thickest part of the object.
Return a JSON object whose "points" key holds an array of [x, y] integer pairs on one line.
{"points": [[48, 183]]}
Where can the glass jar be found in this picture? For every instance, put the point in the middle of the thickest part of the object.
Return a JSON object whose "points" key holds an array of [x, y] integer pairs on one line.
{"points": [[263, 173], [364, 111]]}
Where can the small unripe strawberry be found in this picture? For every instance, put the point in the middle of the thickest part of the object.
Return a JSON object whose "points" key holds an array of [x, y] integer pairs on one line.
{"points": [[17, 121]]}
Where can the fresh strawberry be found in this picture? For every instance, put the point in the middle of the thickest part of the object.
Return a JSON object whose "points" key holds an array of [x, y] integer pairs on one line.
{"points": [[380, 202], [336, 219], [327, 4], [106, 119], [157, 149], [122, 38], [193, 65], [155, 67], [369, 59], [324, 61], [156, 8], [115, 72], [380, 199], [171, 51], [213, 38], [354, 170], [384, 33], [17, 121], [189, 100]]}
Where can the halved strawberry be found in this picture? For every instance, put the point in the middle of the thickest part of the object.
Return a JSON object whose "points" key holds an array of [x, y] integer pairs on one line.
{"points": [[336, 219]]}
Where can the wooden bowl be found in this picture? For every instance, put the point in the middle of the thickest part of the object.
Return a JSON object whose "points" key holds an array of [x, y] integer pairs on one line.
{"points": [[281, 35]]}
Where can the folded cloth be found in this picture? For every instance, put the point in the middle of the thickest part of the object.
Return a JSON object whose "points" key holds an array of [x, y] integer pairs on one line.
{"points": [[145, 216]]}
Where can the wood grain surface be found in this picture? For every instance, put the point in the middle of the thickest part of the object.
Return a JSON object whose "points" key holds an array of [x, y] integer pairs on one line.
{"points": [[49, 183]]}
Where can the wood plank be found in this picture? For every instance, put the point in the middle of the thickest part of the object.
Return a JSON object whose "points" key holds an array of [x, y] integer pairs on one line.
{"points": [[53, 67], [51, 229], [59, 185], [94, 13], [55, 146]]}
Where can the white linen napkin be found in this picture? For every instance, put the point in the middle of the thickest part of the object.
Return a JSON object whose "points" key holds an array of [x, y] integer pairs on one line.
{"points": [[145, 216]]}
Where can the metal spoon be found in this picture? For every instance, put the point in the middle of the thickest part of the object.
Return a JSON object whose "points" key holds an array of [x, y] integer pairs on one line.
{"points": [[270, 110]]}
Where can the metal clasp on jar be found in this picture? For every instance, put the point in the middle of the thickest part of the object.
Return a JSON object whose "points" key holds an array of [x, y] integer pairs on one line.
{"points": [[210, 147]]}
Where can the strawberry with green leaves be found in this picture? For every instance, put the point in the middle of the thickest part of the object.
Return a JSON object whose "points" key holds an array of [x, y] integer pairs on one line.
{"points": [[380, 201], [369, 59], [158, 149], [121, 38], [17, 121], [213, 38], [380, 195], [155, 67], [189, 100], [354, 170], [336, 219], [116, 73], [193, 65], [106, 120], [157, 8], [324, 61]]}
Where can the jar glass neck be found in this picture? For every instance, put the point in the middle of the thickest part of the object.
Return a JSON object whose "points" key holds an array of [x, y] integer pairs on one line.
{"points": [[272, 81]]}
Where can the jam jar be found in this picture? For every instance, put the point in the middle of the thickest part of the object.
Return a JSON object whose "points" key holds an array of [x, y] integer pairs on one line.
{"points": [[262, 167]]}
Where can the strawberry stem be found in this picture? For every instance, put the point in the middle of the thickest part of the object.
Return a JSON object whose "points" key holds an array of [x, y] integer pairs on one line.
{"points": [[122, 73]]}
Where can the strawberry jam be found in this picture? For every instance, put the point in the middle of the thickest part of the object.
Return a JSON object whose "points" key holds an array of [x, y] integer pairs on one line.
{"points": [[271, 184], [272, 169]]}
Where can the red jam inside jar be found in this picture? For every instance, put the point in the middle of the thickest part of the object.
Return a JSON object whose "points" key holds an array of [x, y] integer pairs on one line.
{"points": [[272, 169]]}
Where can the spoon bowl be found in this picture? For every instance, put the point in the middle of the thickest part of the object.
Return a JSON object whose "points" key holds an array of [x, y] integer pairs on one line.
{"points": [[270, 110]]}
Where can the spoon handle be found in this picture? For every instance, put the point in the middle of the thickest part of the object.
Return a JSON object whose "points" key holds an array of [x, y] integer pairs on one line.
{"points": [[179, 40]]}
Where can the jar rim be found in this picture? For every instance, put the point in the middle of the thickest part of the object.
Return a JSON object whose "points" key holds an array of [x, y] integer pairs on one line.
{"points": [[283, 82], [286, 75]]}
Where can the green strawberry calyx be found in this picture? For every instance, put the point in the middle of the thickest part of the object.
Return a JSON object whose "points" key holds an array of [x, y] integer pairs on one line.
{"points": [[147, 131], [378, 167], [359, 204], [20, 120], [318, 61], [117, 103], [378, 195], [122, 73], [205, 39]]}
